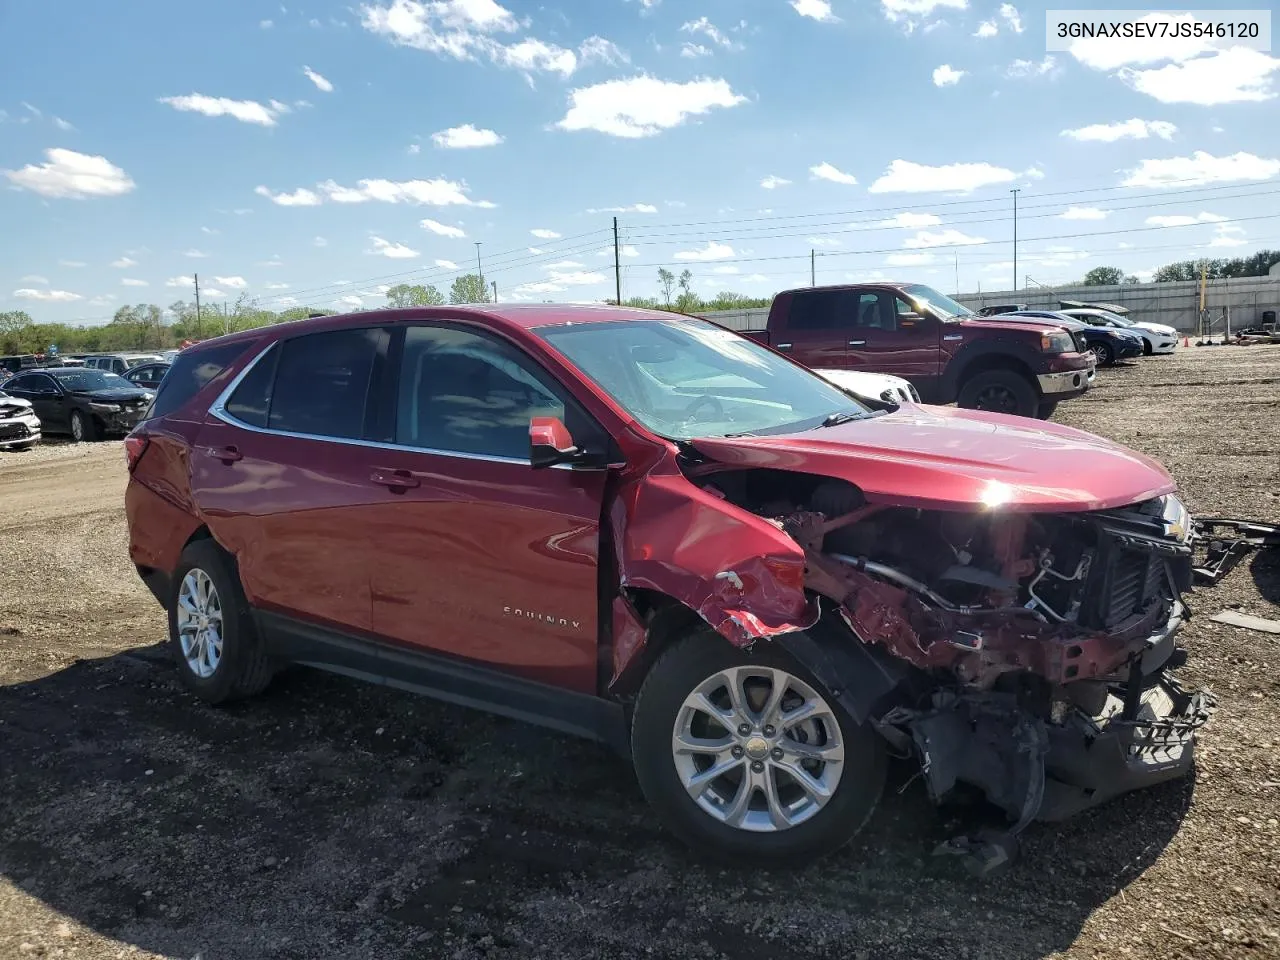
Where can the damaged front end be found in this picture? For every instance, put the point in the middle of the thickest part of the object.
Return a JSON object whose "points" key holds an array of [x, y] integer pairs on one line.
{"points": [[1029, 655]]}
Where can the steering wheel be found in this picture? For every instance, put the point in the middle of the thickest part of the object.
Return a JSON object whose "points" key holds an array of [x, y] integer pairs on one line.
{"points": [[701, 401]]}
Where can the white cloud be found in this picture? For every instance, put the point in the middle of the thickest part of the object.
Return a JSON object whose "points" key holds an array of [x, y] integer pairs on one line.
{"points": [[624, 250], [71, 263], [600, 50], [320, 82], [351, 301], [1031, 68], [910, 221], [33, 278], [712, 251], [210, 230], [909, 259], [275, 261], [901, 9], [396, 251], [465, 137], [123, 263], [704, 27], [725, 268], [236, 283], [819, 10], [415, 149], [824, 242], [286, 301], [1183, 220], [560, 280], [942, 238], [71, 175], [1134, 129], [299, 198], [692, 51], [565, 265], [180, 282], [277, 286], [447, 264], [442, 229], [825, 171], [246, 111], [1201, 168], [465, 29], [436, 193], [195, 254], [634, 208], [62, 125], [1084, 213], [543, 234], [131, 282], [319, 242], [642, 106], [1228, 236], [772, 183], [947, 76], [266, 24], [1109, 53], [536, 252], [1238, 75], [987, 28], [1011, 16], [903, 176], [50, 296]]}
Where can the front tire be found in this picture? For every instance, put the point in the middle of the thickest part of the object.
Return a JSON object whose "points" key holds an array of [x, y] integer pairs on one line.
{"points": [[748, 759], [212, 636], [999, 391], [1106, 356], [83, 429]]}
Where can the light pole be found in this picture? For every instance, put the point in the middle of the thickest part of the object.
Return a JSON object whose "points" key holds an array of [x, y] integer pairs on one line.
{"points": [[1014, 191]]}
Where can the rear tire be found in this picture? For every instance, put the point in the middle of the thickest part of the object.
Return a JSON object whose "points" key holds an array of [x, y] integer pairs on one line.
{"points": [[1146, 347], [999, 391], [754, 812], [212, 636]]}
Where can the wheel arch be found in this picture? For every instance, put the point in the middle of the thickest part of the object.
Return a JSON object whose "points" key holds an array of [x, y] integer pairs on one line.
{"points": [[987, 362]]}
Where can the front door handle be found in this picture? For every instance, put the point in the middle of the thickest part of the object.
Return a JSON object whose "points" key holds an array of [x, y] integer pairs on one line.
{"points": [[857, 343], [395, 479], [782, 347], [227, 454]]}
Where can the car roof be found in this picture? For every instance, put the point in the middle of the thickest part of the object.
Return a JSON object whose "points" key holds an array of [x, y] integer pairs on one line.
{"points": [[512, 316]]}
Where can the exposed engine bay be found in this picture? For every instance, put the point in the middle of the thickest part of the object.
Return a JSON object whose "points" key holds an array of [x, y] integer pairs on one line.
{"points": [[1026, 654]]}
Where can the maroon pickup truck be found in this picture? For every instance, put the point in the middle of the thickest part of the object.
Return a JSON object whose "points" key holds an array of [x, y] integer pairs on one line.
{"points": [[948, 353]]}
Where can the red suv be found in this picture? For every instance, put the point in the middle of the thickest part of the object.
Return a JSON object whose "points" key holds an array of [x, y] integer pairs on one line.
{"points": [[648, 530]]}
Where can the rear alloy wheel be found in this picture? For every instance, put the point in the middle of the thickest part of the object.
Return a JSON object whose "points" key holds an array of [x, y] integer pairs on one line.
{"points": [[1000, 391], [748, 759], [1104, 354]]}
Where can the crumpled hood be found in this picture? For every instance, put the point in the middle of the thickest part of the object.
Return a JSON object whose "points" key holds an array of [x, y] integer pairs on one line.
{"points": [[11, 406], [114, 394], [943, 458]]}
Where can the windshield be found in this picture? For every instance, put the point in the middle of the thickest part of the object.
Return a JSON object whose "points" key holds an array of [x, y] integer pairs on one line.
{"points": [[91, 380], [936, 302], [1114, 318], [691, 378]]}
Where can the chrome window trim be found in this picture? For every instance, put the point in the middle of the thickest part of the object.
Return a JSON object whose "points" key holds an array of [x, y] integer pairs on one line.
{"points": [[219, 410]]}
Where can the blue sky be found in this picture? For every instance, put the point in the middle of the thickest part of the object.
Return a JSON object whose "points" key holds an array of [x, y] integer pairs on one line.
{"points": [[316, 152]]}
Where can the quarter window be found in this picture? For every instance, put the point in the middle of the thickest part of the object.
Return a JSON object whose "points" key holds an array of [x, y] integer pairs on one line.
{"points": [[464, 393]]}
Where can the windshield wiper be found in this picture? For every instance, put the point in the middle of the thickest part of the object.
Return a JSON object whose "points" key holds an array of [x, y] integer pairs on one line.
{"points": [[835, 419]]}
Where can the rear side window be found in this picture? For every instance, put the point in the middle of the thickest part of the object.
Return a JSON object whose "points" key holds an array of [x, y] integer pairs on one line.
{"points": [[190, 373], [823, 309], [322, 383]]}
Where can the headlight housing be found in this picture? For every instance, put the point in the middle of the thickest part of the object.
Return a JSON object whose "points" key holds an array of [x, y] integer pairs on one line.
{"points": [[105, 407], [1059, 342]]}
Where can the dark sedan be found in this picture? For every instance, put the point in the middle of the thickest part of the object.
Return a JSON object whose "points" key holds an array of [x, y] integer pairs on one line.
{"points": [[148, 375], [1107, 344], [87, 404]]}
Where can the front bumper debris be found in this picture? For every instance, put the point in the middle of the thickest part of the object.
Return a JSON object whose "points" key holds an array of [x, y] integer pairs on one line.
{"points": [[1068, 381], [19, 431], [1224, 543]]}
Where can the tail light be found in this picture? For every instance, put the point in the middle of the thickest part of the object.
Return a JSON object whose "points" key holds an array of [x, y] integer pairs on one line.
{"points": [[134, 448]]}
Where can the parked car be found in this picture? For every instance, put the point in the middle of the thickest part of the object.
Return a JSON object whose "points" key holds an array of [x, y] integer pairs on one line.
{"points": [[992, 309], [15, 362], [1157, 337], [148, 375], [19, 425], [88, 404], [649, 530], [1108, 345], [118, 363], [946, 352]]}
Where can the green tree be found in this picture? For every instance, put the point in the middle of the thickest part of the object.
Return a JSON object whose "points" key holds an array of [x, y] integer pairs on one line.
{"points": [[667, 281], [17, 332], [469, 288], [415, 295], [1103, 277], [688, 301]]}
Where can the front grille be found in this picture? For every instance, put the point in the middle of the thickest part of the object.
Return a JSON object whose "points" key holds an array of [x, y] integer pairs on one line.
{"points": [[1135, 579], [13, 431]]}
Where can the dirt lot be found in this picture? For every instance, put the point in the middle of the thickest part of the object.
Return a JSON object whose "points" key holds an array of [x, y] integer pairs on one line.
{"points": [[328, 819]]}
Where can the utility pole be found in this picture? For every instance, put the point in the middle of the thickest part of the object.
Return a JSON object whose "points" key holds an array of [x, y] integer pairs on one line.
{"points": [[479, 269], [813, 271], [495, 291], [617, 263], [226, 318], [957, 255], [197, 280], [1014, 191]]}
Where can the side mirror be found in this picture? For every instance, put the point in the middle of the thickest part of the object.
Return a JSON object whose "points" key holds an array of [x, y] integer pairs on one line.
{"points": [[550, 443]]}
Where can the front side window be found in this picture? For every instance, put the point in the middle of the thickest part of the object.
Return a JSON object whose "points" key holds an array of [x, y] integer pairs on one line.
{"points": [[873, 312], [464, 393], [691, 378], [322, 383]]}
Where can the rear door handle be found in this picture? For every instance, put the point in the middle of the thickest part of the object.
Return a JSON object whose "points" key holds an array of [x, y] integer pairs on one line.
{"points": [[395, 479], [228, 454], [857, 343]]}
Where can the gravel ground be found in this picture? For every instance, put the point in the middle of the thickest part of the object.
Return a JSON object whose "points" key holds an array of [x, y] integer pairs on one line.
{"points": [[331, 819]]}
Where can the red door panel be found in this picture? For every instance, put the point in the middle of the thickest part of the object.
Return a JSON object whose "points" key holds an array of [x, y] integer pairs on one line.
{"points": [[489, 560]]}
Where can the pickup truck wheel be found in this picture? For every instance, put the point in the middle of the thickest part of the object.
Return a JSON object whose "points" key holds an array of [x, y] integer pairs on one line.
{"points": [[748, 759], [211, 632], [999, 391]]}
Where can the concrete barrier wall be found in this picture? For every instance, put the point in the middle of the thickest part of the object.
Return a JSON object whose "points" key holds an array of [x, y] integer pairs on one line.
{"points": [[1176, 304]]}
